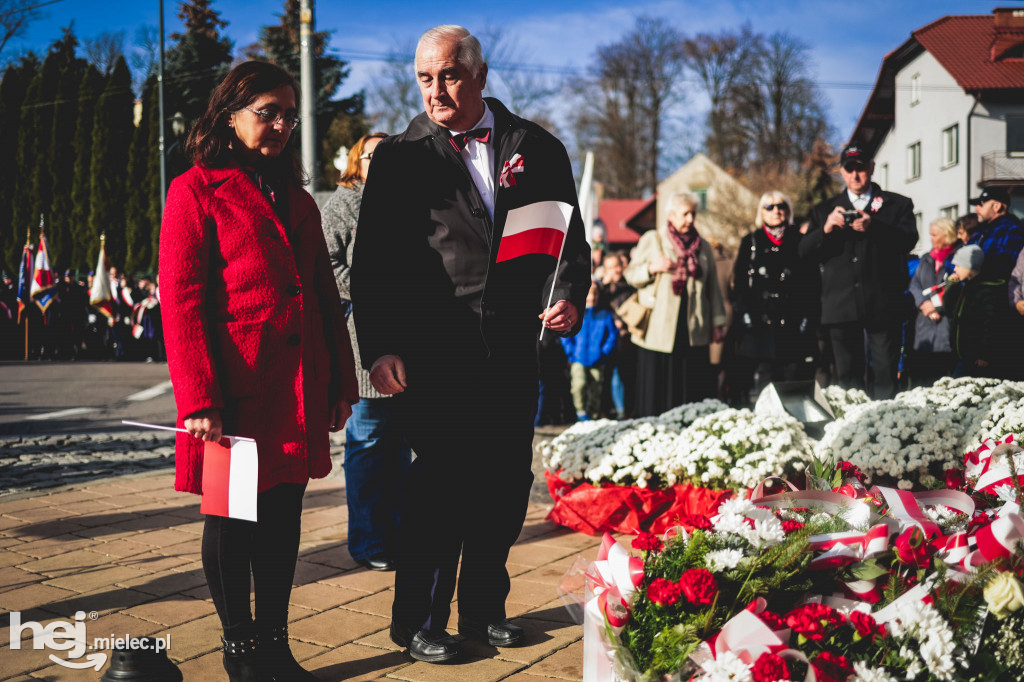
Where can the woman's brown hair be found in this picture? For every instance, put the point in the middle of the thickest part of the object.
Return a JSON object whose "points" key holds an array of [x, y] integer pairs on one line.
{"points": [[352, 175], [209, 142]]}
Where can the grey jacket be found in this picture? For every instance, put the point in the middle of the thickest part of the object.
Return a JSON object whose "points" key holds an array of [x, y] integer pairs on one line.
{"points": [[339, 218]]}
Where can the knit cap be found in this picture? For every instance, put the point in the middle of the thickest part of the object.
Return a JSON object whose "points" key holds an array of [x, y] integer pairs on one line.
{"points": [[970, 257]]}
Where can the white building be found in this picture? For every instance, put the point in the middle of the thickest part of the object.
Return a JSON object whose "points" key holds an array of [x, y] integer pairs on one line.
{"points": [[946, 116]]}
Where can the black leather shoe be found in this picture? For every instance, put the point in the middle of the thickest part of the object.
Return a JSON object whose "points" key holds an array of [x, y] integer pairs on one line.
{"points": [[276, 658], [378, 562], [500, 633], [426, 646]]}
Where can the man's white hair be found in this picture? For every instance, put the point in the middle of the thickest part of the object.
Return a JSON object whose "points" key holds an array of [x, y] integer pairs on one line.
{"points": [[470, 54]]}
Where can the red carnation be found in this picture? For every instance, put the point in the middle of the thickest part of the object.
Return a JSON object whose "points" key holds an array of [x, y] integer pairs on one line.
{"points": [[912, 547], [769, 667], [954, 478], [830, 667], [773, 620], [663, 592], [695, 521], [648, 542], [791, 526], [867, 626], [699, 586], [851, 471], [812, 621]]}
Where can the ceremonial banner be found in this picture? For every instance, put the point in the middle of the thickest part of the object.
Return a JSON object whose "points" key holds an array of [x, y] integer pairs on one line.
{"points": [[43, 282], [101, 295], [535, 228], [24, 280]]}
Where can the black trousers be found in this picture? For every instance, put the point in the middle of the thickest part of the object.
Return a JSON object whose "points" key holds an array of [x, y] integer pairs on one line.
{"points": [[467, 491], [233, 550], [848, 350]]}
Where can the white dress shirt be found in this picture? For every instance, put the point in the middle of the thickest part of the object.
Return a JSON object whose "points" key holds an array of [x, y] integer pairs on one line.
{"points": [[859, 201], [479, 158]]}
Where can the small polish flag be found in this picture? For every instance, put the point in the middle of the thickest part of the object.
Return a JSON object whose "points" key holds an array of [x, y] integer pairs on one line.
{"points": [[230, 478], [535, 228]]}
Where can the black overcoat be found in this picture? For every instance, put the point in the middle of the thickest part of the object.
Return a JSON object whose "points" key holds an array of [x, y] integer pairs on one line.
{"points": [[863, 274], [425, 282]]}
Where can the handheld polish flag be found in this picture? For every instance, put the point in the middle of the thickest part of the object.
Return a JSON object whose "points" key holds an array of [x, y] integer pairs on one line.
{"points": [[43, 282], [230, 474], [101, 295], [230, 478], [25, 278], [535, 228]]}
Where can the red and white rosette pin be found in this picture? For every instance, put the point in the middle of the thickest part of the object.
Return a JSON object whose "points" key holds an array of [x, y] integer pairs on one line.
{"points": [[511, 167]]}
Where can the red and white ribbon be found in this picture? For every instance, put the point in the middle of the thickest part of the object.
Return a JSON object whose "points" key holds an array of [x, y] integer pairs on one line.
{"points": [[612, 580], [514, 165]]}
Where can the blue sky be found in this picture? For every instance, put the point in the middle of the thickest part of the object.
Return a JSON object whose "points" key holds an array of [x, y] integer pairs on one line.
{"points": [[847, 40]]}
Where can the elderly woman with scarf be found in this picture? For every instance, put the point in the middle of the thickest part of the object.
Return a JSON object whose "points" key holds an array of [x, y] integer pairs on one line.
{"points": [[933, 355], [774, 300], [674, 271]]}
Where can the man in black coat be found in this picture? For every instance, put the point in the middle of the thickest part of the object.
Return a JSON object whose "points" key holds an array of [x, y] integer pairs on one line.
{"points": [[860, 240], [460, 230]]}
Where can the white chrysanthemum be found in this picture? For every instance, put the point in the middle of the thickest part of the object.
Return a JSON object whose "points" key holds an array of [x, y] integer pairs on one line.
{"points": [[736, 505], [723, 559], [865, 673], [731, 523], [936, 647], [726, 668]]}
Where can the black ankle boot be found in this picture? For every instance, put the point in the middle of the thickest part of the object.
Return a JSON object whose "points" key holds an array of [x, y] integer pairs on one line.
{"points": [[277, 659], [241, 661]]}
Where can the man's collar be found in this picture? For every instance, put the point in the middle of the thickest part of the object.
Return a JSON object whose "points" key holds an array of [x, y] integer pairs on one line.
{"points": [[853, 197], [421, 126], [486, 121]]}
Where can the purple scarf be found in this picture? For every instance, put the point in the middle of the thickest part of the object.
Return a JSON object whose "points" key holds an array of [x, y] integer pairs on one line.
{"points": [[686, 245]]}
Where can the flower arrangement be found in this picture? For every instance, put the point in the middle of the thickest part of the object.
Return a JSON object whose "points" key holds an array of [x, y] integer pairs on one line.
{"points": [[752, 596]]}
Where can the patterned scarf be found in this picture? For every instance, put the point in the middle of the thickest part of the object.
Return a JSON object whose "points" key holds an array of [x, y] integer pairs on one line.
{"points": [[775, 233], [687, 246]]}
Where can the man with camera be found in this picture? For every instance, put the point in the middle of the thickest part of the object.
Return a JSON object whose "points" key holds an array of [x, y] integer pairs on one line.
{"points": [[860, 240]]}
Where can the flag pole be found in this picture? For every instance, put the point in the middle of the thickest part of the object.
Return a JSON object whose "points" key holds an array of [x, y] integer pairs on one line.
{"points": [[28, 242], [554, 276]]}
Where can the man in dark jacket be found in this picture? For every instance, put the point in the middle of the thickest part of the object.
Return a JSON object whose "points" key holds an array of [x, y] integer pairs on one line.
{"points": [[999, 233], [453, 278], [860, 240]]}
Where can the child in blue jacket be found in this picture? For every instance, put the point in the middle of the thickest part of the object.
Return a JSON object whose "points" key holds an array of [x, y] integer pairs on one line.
{"points": [[587, 352]]}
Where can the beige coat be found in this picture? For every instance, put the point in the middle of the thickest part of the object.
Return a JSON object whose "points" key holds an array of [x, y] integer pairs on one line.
{"points": [[705, 306]]}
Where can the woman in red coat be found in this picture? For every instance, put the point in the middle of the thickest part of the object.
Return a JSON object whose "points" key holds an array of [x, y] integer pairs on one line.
{"points": [[256, 345]]}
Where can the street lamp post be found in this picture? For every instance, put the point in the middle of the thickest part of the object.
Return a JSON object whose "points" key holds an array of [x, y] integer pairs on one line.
{"points": [[160, 113], [308, 89]]}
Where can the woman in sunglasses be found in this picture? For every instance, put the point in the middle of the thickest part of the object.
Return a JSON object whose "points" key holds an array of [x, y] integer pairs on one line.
{"points": [[773, 300], [256, 347], [376, 454]]}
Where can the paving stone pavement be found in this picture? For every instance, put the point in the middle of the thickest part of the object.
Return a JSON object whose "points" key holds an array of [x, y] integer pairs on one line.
{"points": [[125, 551]]}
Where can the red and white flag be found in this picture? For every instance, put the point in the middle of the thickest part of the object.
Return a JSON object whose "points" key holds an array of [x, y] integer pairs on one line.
{"points": [[230, 478], [101, 294], [43, 282], [535, 228]]}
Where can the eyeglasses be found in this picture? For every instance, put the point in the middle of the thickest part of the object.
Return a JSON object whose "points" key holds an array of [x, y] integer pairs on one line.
{"points": [[271, 117], [772, 207], [366, 155]]}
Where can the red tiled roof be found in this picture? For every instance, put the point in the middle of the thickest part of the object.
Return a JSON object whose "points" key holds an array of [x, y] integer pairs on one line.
{"points": [[963, 46], [614, 213]]}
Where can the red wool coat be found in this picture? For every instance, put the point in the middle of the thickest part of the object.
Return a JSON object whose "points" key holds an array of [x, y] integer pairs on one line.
{"points": [[253, 324]]}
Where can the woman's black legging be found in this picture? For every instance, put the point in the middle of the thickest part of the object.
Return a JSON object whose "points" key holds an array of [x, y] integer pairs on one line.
{"points": [[267, 550]]}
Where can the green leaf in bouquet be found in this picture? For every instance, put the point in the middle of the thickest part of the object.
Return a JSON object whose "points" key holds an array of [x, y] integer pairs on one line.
{"points": [[868, 569]]}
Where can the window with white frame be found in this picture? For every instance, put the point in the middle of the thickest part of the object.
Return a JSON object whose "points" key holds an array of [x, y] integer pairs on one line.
{"points": [[915, 89], [952, 211], [1015, 135], [702, 198], [951, 146], [914, 161]]}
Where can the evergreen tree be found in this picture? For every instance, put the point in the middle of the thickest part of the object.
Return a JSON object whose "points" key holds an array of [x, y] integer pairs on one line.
{"points": [[139, 229], [194, 66], [60, 230], [112, 134], [12, 95], [280, 44], [89, 89], [34, 184]]}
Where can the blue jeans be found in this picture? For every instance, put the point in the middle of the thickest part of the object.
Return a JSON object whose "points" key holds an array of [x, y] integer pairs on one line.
{"points": [[376, 459], [618, 393]]}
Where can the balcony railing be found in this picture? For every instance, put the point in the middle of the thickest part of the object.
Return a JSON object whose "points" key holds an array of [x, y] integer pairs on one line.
{"points": [[997, 166]]}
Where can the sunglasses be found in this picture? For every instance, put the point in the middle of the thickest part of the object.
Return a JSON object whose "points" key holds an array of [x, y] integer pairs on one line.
{"points": [[772, 207]]}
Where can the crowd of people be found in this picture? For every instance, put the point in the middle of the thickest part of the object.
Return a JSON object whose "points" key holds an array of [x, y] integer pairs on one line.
{"points": [[127, 326], [838, 297]]}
